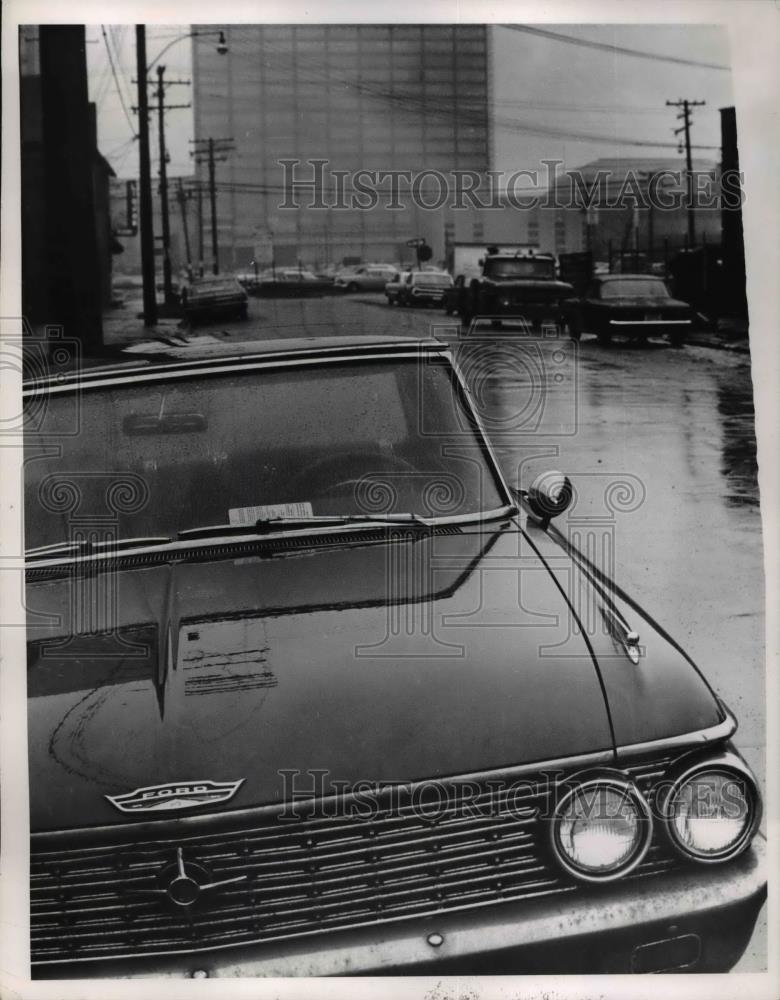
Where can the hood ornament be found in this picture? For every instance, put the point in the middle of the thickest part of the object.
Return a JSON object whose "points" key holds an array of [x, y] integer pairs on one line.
{"points": [[622, 633], [185, 884], [175, 795], [182, 883]]}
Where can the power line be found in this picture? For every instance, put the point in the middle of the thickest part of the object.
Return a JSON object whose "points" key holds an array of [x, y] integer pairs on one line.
{"points": [[613, 49], [115, 33], [419, 105], [116, 82]]}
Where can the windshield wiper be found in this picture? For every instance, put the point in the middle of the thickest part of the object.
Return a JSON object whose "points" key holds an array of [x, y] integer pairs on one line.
{"points": [[266, 525], [85, 547]]}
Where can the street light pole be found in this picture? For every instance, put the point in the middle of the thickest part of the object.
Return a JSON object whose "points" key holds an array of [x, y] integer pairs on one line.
{"points": [[144, 167], [145, 183], [166, 224]]}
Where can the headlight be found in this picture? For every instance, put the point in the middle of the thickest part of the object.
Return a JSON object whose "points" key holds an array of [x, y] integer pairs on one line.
{"points": [[601, 829], [712, 809]]}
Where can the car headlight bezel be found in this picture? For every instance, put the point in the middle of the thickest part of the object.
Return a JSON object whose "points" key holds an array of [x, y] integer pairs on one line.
{"points": [[644, 827], [728, 764]]}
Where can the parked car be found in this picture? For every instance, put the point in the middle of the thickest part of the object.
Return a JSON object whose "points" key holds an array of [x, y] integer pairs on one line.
{"points": [[247, 278], [299, 721], [419, 288], [366, 278], [631, 305], [211, 298], [282, 282]]}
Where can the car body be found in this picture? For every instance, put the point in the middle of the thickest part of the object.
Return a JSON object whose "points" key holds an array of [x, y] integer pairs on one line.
{"points": [[209, 298], [636, 306], [426, 287], [289, 282], [247, 278], [365, 278], [289, 715]]}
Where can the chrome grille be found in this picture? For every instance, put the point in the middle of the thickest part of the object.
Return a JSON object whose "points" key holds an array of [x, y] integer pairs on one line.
{"points": [[303, 876]]}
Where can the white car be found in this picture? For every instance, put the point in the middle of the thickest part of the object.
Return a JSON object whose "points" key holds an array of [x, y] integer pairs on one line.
{"points": [[366, 278]]}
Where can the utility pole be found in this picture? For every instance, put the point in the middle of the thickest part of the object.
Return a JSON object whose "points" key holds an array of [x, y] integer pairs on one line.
{"points": [[182, 199], [206, 151], [200, 229], [164, 210], [166, 223], [686, 128], [213, 197], [145, 182]]}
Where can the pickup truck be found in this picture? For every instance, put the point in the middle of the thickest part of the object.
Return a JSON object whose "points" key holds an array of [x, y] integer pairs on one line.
{"points": [[520, 286]]}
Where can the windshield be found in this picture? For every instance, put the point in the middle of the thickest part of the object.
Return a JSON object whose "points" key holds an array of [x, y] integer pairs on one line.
{"points": [[634, 288], [353, 438], [524, 267]]}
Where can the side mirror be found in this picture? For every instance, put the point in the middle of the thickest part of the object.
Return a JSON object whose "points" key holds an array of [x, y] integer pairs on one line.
{"points": [[549, 495]]}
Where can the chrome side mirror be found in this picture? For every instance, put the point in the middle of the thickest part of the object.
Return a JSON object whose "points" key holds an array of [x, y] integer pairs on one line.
{"points": [[549, 495]]}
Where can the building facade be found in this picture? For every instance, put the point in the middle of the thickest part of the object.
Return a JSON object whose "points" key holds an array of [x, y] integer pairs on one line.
{"points": [[67, 244], [382, 98]]}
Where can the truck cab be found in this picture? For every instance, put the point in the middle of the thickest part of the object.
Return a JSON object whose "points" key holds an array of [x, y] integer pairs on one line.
{"points": [[519, 285]]}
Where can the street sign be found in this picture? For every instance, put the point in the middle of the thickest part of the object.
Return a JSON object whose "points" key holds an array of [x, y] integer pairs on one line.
{"points": [[417, 242]]}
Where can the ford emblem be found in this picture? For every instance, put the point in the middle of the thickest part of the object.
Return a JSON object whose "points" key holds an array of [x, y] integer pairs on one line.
{"points": [[176, 795]]}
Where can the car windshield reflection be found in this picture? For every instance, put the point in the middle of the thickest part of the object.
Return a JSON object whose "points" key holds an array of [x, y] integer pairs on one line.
{"points": [[354, 440]]}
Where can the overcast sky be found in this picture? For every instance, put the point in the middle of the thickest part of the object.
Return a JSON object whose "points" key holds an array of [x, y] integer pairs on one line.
{"points": [[576, 97]]}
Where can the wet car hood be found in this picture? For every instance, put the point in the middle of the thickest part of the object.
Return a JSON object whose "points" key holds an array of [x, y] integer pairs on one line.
{"points": [[531, 284], [420, 658], [642, 302]]}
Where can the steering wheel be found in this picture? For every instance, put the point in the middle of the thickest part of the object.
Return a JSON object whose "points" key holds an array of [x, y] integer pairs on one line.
{"points": [[327, 476]]}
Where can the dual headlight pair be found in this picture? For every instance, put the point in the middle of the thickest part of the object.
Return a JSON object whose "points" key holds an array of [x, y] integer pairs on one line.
{"points": [[709, 811]]}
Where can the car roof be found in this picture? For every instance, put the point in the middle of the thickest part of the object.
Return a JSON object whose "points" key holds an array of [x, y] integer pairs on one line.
{"points": [[634, 277], [199, 356], [521, 255]]}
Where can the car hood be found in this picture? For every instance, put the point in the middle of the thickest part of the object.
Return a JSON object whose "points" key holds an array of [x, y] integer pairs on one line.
{"points": [[643, 302], [379, 662], [534, 284]]}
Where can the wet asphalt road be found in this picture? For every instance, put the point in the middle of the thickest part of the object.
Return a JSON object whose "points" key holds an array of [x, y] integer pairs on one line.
{"points": [[659, 444]]}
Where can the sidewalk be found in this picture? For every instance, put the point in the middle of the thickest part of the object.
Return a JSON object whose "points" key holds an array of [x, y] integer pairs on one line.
{"points": [[124, 327], [731, 335]]}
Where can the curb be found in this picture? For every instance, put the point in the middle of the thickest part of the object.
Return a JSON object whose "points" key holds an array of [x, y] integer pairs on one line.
{"points": [[718, 345]]}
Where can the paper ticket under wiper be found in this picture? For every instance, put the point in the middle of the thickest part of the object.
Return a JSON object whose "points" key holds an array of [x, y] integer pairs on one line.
{"points": [[251, 515]]}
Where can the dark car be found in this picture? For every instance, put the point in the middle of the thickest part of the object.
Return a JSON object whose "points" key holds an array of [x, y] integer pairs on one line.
{"points": [[290, 715], [637, 306], [212, 298]]}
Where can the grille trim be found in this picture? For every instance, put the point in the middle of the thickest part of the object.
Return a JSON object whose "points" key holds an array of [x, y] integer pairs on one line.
{"points": [[307, 877]]}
